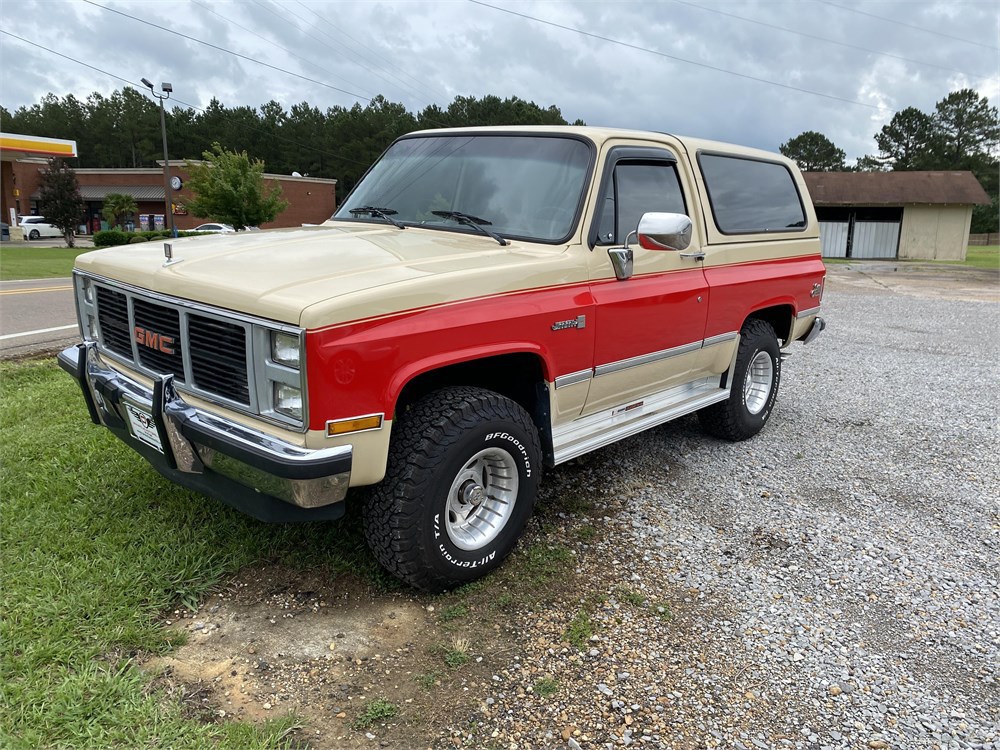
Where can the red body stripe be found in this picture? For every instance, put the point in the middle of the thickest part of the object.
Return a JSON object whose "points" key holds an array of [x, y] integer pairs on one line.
{"points": [[360, 367]]}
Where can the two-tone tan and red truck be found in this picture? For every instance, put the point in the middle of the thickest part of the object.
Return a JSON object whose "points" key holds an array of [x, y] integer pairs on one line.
{"points": [[486, 304]]}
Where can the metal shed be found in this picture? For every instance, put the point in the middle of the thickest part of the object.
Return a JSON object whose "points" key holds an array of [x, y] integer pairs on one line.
{"points": [[886, 215]]}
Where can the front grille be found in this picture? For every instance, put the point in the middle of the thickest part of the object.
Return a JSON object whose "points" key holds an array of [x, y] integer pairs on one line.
{"points": [[218, 357], [210, 355], [112, 317], [158, 335]]}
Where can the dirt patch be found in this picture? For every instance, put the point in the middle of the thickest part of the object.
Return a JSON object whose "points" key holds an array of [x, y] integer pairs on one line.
{"points": [[278, 641]]}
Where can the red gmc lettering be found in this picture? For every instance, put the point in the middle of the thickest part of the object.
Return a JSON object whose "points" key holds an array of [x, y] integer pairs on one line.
{"points": [[153, 340]]}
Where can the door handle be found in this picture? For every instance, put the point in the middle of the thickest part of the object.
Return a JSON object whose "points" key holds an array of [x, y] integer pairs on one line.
{"points": [[696, 255]]}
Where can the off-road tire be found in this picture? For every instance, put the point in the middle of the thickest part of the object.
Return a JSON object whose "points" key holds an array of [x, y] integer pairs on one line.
{"points": [[732, 419], [406, 517]]}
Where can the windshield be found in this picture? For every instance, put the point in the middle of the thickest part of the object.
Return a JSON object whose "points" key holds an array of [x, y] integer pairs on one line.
{"points": [[518, 186]]}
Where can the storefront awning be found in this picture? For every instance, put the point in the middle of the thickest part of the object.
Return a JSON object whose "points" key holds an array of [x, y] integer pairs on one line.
{"points": [[141, 193]]}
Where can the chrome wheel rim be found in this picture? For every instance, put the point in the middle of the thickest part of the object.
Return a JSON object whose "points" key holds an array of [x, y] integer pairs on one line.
{"points": [[481, 499], [758, 381]]}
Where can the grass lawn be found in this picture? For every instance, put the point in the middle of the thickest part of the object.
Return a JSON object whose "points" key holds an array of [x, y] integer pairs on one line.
{"points": [[37, 262], [977, 256], [983, 256], [95, 546]]}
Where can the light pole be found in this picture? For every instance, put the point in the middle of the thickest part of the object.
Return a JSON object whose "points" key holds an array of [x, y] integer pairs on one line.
{"points": [[168, 215]]}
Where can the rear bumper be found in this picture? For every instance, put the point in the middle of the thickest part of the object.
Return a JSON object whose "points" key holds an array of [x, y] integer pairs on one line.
{"points": [[252, 471], [817, 327]]}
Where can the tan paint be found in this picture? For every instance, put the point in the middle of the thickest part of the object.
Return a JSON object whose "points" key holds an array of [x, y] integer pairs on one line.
{"points": [[935, 232], [567, 402]]}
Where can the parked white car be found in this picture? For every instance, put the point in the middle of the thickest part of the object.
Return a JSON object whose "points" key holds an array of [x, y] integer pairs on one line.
{"points": [[213, 229], [38, 226]]}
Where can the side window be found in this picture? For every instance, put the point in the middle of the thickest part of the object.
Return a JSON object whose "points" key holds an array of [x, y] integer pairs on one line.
{"points": [[750, 195], [637, 188]]}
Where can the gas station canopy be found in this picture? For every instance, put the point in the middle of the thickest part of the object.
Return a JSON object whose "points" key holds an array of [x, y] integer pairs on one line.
{"points": [[23, 146]]}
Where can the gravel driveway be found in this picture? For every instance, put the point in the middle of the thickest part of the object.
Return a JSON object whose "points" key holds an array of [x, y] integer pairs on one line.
{"points": [[832, 583]]}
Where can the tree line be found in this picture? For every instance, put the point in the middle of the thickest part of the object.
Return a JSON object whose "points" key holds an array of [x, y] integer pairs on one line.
{"points": [[962, 133], [123, 129]]}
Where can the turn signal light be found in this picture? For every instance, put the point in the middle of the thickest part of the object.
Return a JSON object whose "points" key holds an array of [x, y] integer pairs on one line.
{"points": [[344, 426]]}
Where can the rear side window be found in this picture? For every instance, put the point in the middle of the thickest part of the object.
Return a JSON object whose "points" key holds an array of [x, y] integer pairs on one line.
{"points": [[750, 196]]}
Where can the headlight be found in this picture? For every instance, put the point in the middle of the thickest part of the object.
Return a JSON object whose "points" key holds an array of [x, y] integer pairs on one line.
{"points": [[285, 349], [88, 291], [288, 400]]}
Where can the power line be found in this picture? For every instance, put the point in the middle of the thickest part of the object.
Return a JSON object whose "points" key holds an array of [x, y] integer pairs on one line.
{"points": [[228, 51], [674, 57], [268, 41], [405, 87], [386, 63], [139, 87], [907, 25], [813, 36]]}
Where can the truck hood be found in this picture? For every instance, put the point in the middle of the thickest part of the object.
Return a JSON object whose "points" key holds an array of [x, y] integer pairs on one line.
{"points": [[333, 268]]}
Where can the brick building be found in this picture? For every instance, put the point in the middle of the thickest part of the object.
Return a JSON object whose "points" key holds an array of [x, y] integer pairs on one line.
{"points": [[311, 200]]}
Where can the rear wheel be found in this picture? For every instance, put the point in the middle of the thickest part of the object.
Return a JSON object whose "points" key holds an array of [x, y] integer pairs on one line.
{"points": [[464, 466], [754, 389], [33, 234]]}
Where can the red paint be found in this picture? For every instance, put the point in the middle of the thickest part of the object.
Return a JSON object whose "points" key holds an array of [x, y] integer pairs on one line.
{"points": [[740, 289], [649, 313], [360, 367]]}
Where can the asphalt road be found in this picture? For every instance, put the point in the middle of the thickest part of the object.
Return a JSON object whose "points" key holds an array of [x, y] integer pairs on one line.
{"points": [[36, 316]]}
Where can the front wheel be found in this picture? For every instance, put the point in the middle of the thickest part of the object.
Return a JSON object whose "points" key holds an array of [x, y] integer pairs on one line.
{"points": [[464, 466], [754, 388]]}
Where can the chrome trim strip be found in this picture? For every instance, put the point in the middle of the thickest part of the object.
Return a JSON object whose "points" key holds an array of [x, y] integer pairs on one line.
{"points": [[806, 313], [572, 378], [645, 359], [722, 337]]}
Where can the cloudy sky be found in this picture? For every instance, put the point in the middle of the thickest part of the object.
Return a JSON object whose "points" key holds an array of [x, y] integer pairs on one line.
{"points": [[756, 72]]}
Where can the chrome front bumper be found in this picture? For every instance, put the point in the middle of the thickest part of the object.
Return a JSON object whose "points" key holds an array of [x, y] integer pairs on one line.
{"points": [[254, 472]]}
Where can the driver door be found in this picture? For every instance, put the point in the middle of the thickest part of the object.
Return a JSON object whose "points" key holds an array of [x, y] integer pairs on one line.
{"points": [[649, 328]]}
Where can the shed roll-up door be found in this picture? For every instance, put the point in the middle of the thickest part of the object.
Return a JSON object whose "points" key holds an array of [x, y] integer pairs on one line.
{"points": [[875, 239]]}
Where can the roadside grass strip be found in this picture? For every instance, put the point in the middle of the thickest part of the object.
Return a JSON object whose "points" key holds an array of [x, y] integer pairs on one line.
{"points": [[96, 545], [38, 262]]}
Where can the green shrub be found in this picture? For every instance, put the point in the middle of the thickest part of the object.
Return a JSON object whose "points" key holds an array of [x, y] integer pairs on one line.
{"points": [[137, 239], [111, 237]]}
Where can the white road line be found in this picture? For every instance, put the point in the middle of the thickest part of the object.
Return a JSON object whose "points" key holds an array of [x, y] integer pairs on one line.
{"points": [[32, 333]]}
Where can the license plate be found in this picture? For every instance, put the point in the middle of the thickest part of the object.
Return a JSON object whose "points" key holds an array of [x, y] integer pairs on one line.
{"points": [[143, 426]]}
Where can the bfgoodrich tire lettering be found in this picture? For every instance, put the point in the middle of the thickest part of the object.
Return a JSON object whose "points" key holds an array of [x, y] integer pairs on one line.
{"points": [[754, 388], [464, 467]]}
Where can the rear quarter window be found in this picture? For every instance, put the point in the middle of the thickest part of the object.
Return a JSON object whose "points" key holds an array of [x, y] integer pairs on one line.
{"points": [[750, 196]]}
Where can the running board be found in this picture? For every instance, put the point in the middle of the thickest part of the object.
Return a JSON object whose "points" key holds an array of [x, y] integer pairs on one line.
{"points": [[597, 430]]}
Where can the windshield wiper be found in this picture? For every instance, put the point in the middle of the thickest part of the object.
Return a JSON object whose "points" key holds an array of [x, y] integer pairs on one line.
{"points": [[471, 221], [382, 213]]}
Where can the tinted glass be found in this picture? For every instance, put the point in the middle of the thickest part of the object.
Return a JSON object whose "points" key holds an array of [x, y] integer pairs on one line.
{"points": [[750, 196], [526, 186], [637, 189]]}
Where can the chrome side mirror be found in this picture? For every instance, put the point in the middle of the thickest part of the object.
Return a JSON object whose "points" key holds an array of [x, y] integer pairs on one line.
{"points": [[663, 231], [621, 260]]}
